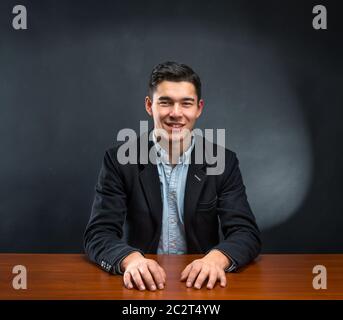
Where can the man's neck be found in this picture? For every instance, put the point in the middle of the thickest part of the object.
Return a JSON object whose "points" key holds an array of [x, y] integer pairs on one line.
{"points": [[177, 149]]}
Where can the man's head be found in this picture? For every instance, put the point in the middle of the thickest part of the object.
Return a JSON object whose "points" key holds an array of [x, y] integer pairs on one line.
{"points": [[174, 99]]}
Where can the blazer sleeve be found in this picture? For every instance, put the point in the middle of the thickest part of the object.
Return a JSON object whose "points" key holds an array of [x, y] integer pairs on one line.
{"points": [[241, 234], [103, 237]]}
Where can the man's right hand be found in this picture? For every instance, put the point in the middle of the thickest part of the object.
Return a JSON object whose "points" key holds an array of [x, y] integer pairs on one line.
{"points": [[142, 272]]}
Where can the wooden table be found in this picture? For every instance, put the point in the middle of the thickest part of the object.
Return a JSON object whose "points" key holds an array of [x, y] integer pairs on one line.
{"points": [[72, 276]]}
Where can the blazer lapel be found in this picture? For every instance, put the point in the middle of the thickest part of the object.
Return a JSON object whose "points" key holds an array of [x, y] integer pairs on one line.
{"points": [[150, 183], [196, 178]]}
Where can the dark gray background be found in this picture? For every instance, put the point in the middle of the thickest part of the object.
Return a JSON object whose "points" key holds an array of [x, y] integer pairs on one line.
{"points": [[79, 74]]}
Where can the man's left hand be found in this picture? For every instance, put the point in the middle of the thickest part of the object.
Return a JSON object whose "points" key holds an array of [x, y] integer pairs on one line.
{"points": [[209, 267]]}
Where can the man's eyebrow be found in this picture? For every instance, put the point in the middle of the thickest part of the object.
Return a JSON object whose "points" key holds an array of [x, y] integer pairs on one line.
{"points": [[165, 98], [188, 99], [170, 99]]}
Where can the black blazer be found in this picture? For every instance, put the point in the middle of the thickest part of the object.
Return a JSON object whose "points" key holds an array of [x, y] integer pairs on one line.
{"points": [[127, 211]]}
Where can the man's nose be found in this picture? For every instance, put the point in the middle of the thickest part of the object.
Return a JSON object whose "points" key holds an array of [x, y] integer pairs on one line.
{"points": [[176, 110]]}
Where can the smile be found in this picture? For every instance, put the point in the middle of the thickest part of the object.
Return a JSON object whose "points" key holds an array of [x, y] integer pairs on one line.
{"points": [[175, 126]]}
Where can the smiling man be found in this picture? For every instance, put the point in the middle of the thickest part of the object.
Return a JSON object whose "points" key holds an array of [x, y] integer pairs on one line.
{"points": [[171, 205]]}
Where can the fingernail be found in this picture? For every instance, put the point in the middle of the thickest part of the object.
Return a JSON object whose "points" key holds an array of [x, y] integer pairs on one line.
{"points": [[130, 286], [142, 287], [153, 287], [197, 286], [161, 286], [188, 284]]}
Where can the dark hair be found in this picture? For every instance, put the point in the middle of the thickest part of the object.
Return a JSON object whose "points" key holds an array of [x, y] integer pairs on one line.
{"points": [[173, 71]]}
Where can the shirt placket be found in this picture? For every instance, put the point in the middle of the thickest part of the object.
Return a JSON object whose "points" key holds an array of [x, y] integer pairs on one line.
{"points": [[172, 205]]}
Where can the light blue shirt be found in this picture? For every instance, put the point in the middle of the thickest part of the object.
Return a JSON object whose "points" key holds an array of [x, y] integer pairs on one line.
{"points": [[173, 184]]}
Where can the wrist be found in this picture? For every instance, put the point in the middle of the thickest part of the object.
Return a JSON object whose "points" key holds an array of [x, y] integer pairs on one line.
{"points": [[220, 258], [130, 257]]}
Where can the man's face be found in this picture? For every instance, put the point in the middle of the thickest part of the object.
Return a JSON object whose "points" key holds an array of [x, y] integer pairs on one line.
{"points": [[174, 108]]}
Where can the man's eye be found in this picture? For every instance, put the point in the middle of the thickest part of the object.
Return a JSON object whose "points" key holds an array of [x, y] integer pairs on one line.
{"points": [[164, 103], [187, 105]]}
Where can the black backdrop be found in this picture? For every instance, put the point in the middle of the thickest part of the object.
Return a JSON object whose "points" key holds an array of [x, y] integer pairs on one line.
{"points": [[79, 74]]}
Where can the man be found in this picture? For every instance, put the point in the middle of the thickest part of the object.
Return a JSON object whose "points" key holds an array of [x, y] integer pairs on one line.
{"points": [[171, 205]]}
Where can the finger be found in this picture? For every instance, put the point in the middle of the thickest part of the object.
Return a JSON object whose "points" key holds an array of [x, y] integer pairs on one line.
{"points": [[201, 277], [147, 277], [185, 272], [137, 279], [212, 279], [193, 275], [156, 274], [222, 278], [127, 280]]}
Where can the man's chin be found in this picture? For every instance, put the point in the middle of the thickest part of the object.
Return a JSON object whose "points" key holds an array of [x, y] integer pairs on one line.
{"points": [[175, 136]]}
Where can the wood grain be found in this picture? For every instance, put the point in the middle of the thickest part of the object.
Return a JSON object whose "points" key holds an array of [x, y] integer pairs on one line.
{"points": [[72, 276]]}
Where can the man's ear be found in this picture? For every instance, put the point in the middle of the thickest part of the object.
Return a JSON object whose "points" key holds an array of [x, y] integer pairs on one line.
{"points": [[200, 107], [148, 105]]}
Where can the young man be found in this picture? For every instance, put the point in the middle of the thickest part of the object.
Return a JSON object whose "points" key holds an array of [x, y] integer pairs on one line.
{"points": [[171, 205]]}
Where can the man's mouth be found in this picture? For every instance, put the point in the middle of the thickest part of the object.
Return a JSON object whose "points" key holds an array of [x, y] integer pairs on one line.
{"points": [[175, 125]]}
